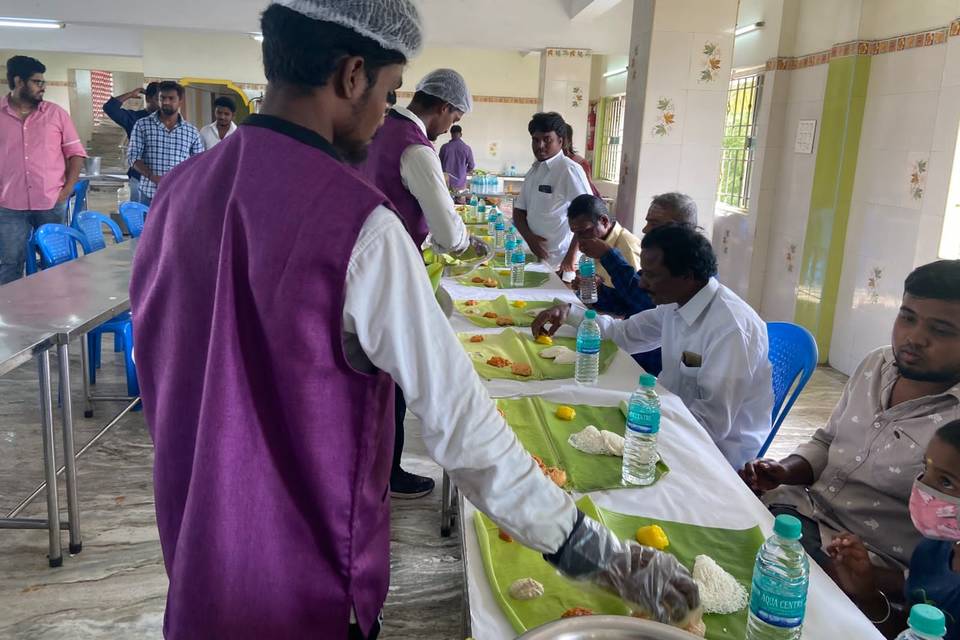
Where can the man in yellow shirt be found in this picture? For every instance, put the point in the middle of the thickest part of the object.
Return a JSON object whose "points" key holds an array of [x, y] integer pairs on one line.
{"points": [[590, 219]]}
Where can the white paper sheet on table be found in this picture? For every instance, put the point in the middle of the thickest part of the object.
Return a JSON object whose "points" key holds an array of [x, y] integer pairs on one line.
{"points": [[701, 488]]}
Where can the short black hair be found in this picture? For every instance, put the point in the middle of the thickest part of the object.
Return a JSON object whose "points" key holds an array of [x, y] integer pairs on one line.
{"points": [[23, 67], [152, 90], [680, 203], [938, 280], [545, 122], [456, 129], [169, 85], [587, 204], [568, 139], [950, 433], [685, 251], [428, 102], [224, 101], [302, 52]]}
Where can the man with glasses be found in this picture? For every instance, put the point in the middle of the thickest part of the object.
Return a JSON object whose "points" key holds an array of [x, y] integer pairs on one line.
{"points": [[40, 160]]}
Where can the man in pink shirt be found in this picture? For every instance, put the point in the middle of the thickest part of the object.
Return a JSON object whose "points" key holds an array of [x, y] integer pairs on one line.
{"points": [[40, 160]]}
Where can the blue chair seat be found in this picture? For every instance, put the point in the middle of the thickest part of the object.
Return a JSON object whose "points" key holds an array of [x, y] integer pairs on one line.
{"points": [[793, 356], [133, 214]]}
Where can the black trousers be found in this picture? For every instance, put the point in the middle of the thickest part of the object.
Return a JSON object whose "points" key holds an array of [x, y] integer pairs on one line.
{"points": [[811, 541], [356, 634], [400, 409]]}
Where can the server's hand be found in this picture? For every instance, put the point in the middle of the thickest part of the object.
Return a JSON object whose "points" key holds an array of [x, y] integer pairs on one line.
{"points": [[652, 581]]}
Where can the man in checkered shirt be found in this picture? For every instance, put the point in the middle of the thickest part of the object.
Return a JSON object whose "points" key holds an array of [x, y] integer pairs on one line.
{"points": [[161, 141]]}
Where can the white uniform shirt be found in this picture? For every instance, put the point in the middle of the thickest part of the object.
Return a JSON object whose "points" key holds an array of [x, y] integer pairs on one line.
{"points": [[422, 176], [731, 392], [462, 430], [548, 189], [211, 137]]}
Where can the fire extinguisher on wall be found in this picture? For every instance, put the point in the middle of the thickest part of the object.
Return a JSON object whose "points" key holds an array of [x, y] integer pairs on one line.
{"points": [[591, 127]]}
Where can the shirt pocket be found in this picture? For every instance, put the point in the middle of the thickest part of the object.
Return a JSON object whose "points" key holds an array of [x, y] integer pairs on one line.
{"points": [[897, 462], [690, 382]]}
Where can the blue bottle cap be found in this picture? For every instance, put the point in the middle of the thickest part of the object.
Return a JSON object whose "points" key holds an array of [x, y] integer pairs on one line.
{"points": [[927, 620], [788, 527], [590, 314], [648, 380], [518, 258]]}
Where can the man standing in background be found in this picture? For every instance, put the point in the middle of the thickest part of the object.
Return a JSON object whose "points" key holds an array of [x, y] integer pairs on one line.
{"points": [[456, 157], [126, 118], [40, 160], [162, 140], [223, 125]]}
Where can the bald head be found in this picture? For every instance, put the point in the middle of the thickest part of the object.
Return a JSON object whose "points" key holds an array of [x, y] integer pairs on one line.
{"points": [[668, 208]]}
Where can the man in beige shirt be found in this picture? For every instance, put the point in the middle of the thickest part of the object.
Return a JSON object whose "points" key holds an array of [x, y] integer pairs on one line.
{"points": [[857, 472], [589, 219]]}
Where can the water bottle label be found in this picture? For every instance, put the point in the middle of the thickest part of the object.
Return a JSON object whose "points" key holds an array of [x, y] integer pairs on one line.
{"points": [[643, 420], [771, 605], [587, 269], [588, 345]]}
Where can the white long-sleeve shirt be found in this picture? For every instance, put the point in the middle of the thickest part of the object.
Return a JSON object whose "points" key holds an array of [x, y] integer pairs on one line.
{"points": [[730, 393], [392, 321], [422, 176]]}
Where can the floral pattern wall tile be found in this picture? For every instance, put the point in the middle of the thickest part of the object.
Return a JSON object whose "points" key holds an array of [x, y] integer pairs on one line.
{"points": [[873, 285], [666, 117], [710, 62], [791, 257], [576, 96], [918, 164]]}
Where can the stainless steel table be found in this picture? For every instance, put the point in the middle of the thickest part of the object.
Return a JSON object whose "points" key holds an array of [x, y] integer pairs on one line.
{"points": [[61, 304]]}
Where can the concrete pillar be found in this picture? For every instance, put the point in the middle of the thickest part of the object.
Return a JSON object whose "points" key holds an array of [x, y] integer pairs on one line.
{"points": [[565, 88], [680, 60]]}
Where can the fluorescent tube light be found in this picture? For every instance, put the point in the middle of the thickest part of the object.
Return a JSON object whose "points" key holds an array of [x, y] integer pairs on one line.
{"points": [[748, 29], [31, 23], [257, 36], [615, 72]]}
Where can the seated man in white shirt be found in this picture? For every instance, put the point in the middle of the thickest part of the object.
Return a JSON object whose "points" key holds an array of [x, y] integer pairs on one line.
{"points": [[714, 345], [554, 180], [223, 125]]}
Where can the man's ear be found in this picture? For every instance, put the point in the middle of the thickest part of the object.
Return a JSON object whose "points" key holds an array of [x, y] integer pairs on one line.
{"points": [[350, 79]]}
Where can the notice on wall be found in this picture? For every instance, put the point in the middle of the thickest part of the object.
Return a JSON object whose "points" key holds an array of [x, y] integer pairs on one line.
{"points": [[806, 131]]}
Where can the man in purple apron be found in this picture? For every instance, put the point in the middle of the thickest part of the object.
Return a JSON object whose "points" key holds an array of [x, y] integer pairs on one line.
{"points": [[275, 301], [456, 158], [404, 165]]}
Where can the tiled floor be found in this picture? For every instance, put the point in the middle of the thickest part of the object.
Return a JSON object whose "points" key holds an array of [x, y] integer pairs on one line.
{"points": [[115, 588]]}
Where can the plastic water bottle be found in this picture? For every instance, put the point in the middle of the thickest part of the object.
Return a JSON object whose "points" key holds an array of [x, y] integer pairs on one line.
{"points": [[588, 350], [781, 576], [640, 437], [588, 286], [518, 263], [499, 233], [509, 247], [926, 623]]}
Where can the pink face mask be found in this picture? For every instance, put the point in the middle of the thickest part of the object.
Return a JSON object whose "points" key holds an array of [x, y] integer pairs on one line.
{"points": [[934, 514]]}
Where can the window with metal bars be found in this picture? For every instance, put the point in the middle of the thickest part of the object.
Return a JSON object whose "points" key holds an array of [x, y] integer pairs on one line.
{"points": [[610, 138], [736, 166]]}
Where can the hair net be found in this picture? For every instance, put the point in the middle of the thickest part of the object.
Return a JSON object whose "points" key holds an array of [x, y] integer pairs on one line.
{"points": [[449, 86], [394, 24]]}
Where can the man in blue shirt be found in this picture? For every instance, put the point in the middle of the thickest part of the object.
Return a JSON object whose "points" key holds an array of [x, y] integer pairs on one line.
{"points": [[627, 297], [126, 118]]}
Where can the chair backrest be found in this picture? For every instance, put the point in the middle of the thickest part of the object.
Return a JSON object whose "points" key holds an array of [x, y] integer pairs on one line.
{"points": [[133, 214], [78, 199], [58, 244], [793, 357], [91, 223]]}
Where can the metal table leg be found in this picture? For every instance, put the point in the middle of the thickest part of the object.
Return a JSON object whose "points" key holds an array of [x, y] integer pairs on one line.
{"points": [[69, 452], [85, 366], [55, 556], [447, 509]]}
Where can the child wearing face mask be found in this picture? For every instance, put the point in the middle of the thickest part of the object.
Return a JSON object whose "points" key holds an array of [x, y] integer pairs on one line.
{"points": [[934, 575]]}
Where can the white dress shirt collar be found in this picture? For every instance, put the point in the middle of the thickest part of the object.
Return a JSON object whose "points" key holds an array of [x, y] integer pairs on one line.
{"points": [[410, 115], [699, 303], [550, 161]]}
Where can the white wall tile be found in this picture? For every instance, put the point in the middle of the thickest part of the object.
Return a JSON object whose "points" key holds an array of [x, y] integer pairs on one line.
{"points": [[699, 171], [881, 177], [948, 117], [696, 15], [951, 67], [669, 61], [807, 84], [705, 112], [659, 170], [699, 59], [780, 284], [909, 71], [674, 135], [938, 183], [905, 121]]}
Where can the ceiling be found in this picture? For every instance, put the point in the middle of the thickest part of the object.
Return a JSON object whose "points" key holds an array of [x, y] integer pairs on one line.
{"points": [[600, 25]]}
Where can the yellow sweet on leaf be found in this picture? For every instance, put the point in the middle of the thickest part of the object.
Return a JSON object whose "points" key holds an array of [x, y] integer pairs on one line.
{"points": [[544, 339], [653, 536], [520, 304], [566, 413]]}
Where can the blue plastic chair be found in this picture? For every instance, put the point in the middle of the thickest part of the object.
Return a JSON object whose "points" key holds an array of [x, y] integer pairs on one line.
{"points": [[77, 201], [91, 223], [57, 244], [793, 356], [133, 214]]}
